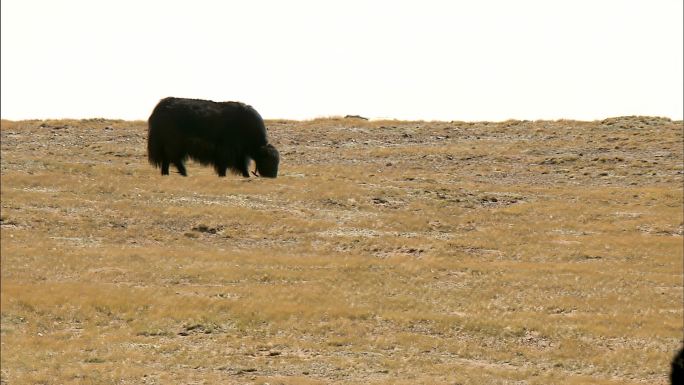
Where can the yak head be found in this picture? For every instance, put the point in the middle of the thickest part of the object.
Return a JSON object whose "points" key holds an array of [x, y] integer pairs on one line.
{"points": [[267, 159]]}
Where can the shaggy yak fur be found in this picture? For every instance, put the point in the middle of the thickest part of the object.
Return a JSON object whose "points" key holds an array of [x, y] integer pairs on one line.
{"points": [[225, 135]]}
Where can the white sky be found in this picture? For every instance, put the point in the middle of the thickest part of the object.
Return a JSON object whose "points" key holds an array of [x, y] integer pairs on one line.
{"points": [[297, 59]]}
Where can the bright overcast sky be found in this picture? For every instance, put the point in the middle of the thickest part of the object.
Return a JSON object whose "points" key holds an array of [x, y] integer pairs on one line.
{"points": [[422, 59]]}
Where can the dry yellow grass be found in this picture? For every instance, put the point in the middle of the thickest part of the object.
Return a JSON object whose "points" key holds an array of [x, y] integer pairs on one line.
{"points": [[386, 252]]}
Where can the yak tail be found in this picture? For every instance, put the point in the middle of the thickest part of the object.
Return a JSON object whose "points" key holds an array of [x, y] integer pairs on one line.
{"points": [[155, 148]]}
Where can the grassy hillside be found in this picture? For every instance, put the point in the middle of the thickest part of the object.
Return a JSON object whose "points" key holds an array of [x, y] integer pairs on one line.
{"points": [[386, 252]]}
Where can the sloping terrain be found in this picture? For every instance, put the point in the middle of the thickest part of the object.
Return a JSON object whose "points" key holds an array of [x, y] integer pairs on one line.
{"points": [[386, 252]]}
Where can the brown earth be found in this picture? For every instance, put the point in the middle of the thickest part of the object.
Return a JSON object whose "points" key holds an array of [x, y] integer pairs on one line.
{"points": [[517, 252]]}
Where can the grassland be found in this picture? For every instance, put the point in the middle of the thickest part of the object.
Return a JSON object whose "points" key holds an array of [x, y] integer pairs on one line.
{"points": [[386, 252]]}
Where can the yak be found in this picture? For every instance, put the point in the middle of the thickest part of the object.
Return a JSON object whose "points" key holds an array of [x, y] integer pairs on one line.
{"points": [[225, 135], [677, 368]]}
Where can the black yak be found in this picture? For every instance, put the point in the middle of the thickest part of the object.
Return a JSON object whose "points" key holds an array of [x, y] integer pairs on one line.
{"points": [[677, 368], [225, 135]]}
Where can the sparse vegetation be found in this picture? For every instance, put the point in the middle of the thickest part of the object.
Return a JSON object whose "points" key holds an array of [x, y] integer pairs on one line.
{"points": [[386, 252]]}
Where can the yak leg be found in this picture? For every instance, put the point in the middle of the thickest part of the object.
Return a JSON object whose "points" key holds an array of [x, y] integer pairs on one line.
{"points": [[221, 168], [181, 167], [165, 167], [244, 168]]}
